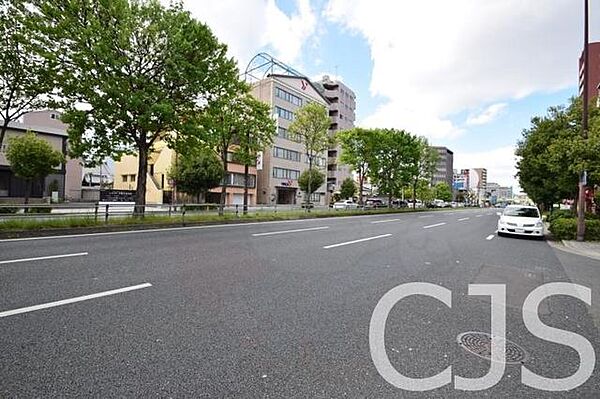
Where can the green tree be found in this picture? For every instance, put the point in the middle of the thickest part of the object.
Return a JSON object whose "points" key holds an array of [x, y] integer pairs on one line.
{"points": [[196, 172], [25, 74], [348, 188], [390, 156], [256, 132], [224, 124], [552, 154], [133, 73], [310, 180], [443, 191], [311, 126], [32, 158], [357, 149], [421, 164]]}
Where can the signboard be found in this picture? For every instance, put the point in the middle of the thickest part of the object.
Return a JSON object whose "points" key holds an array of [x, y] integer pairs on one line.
{"points": [[117, 195], [259, 160]]}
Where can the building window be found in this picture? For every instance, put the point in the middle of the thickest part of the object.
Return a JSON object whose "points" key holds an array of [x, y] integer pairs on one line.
{"points": [[284, 153], [315, 197], [287, 96], [53, 116], [317, 161], [237, 180], [132, 178], [284, 113], [290, 174], [124, 177], [286, 134]]}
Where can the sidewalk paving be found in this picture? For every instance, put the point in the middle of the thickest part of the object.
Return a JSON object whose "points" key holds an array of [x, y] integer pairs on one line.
{"points": [[586, 248]]}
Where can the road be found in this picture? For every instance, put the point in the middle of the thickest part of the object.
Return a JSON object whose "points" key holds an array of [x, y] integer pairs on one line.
{"points": [[277, 309]]}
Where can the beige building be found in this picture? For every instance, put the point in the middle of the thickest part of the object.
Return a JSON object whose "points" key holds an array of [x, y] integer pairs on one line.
{"points": [[281, 165], [342, 111], [159, 189], [47, 125]]}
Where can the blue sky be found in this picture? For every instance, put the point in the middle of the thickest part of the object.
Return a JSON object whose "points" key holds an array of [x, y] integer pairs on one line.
{"points": [[467, 75]]}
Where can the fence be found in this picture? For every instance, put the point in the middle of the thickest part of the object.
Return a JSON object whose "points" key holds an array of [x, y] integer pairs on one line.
{"points": [[104, 211]]}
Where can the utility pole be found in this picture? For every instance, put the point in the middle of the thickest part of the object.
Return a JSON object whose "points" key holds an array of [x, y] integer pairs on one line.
{"points": [[584, 127]]}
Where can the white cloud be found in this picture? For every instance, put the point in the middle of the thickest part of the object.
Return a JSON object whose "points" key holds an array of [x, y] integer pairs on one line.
{"points": [[449, 56], [250, 25], [420, 121], [500, 164], [488, 115]]}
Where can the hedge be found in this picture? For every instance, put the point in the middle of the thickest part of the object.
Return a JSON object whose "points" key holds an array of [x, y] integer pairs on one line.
{"points": [[566, 229], [560, 213]]}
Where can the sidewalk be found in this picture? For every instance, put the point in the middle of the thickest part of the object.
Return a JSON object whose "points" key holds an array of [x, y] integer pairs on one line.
{"points": [[587, 249]]}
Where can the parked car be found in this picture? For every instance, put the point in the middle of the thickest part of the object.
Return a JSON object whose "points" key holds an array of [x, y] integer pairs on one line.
{"points": [[399, 204], [345, 204], [374, 203], [521, 220], [417, 203]]}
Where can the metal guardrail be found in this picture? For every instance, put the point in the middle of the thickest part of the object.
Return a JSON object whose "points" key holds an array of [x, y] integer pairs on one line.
{"points": [[104, 211]]}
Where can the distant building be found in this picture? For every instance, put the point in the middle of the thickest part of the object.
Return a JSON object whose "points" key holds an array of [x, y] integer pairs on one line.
{"points": [[444, 169], [342, 107], [478, 183], [280, 166], [47, 125]]}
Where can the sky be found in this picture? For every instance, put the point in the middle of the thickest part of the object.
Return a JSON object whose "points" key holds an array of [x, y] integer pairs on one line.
{"points": [[466, 74]]}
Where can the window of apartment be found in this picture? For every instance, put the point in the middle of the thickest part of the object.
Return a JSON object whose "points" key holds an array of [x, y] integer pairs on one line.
{"points": [[282, 173], [124, 177], [132, 178], [237, 180], [53, 116], [287, 96], [317, 161], [284, 113], [315, 197], [284, 153], [286, 134]]}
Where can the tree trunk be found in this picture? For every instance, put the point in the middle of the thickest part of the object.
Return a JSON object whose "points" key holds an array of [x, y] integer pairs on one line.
{"points": [[3, 131], [361, 179], [309, 183], [28, 186], [246, 175], [389, 200], [140, 191], [224, 185], [414, 204]]}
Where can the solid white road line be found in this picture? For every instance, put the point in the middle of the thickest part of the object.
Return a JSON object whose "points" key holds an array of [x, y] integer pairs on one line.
{"points": [[478, 216], [3, 262], [425, 216], [434, 225], [385, 221], [461, 219], [489, 237], [72, 300], [272, 233], [356, 241]]}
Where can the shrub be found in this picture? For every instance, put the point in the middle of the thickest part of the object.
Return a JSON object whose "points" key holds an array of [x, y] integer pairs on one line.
{"points": [[8, 209], [566, 229], [201, 207], [560, 214]]}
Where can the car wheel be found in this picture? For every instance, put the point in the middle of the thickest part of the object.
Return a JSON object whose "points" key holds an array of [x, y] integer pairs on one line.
{"points": [[500, 234]]}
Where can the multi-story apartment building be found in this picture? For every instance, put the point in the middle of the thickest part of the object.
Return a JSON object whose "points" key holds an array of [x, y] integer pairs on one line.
{"points": [[593, 84], [159, 189], [478, 183], [280, 166], [444, 169], [47, 125], [342, 107]]}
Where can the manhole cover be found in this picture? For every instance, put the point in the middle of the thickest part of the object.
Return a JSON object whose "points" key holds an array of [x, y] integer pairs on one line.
{"points": [[480, 344]]}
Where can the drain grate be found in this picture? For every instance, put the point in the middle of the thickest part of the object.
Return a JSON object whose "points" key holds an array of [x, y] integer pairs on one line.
{"points": [[480, 344]]}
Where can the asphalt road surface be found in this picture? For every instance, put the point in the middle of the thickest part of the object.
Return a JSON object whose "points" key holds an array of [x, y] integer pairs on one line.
{"points": [[280, 309]]}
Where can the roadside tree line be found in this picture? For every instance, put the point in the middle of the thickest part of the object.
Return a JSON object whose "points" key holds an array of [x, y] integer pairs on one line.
{"points": [[393, 160], [552, 154]]}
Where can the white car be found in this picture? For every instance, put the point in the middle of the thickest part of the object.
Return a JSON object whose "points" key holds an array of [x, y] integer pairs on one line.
{"points": [[346, 204], [524, 220]]}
